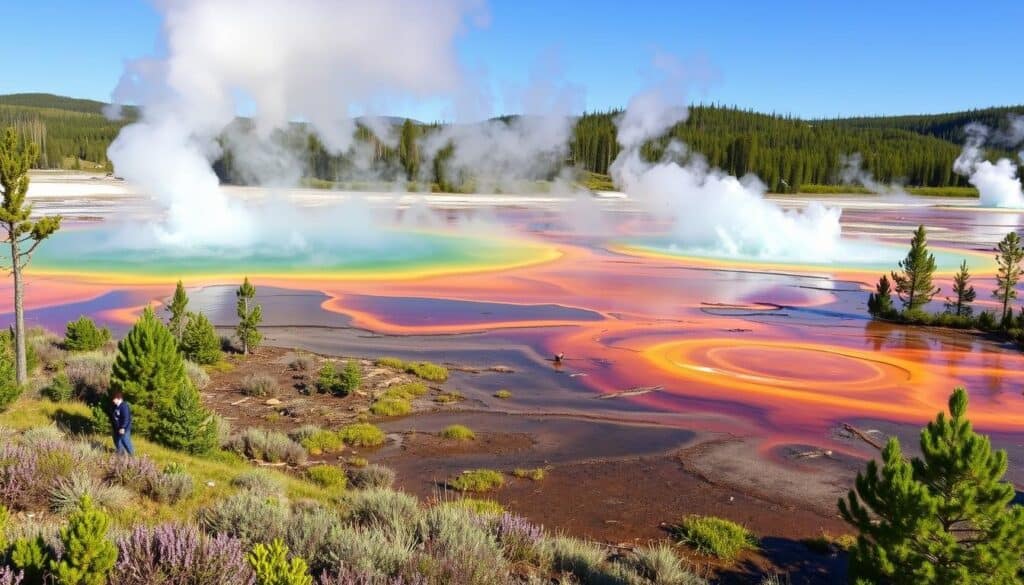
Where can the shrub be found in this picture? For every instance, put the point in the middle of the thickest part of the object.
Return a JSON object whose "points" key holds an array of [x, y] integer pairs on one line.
{"points": [[90, 373], [366, 554], [362, 435], [371, 476], [478, 506], [406, 390], [519, 538], [458, 433], [301, 363], [200, 379], [247, 516], [19, 479], [536, 474], [9, 576], [477, 480], [271, 565], [327, 476], [31, 556], [351, 377], [9, 388], [136, 473], [503, 394], [448, 397], [88, 553], [578, 557], [390, 362], [199, 341], [329, 382], [176, 554], [307, 532], [715, 536], [304, 432], [987, 321], [459, 535], [391, 407], [660, 564], [357, 461], [260, 385], [83, 335], [270, 446], [396, 511], [59, 389], [427, 371], [259, 482], [171, 487], [321, 442], [68, 492]]}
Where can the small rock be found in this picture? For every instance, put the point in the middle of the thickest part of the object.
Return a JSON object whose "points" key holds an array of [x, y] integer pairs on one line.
{"points": [[272, 402], [210, 484]]}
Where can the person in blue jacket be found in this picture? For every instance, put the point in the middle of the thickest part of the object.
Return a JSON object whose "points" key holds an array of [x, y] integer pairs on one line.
{"points": [[121, 418]]}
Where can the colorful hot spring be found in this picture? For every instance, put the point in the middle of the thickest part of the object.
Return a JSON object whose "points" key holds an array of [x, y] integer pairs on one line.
{"points": [[851, 255], [110, 254]]}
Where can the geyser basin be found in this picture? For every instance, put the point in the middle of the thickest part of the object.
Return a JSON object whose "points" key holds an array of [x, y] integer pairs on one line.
{"points": [[851, 256], [107, 254]]}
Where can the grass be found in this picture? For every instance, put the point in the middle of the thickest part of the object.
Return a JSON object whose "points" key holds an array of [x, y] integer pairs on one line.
{"points": [[391, 407], [406, 391], [478, 506], [827, 544], [327, 476], [426, 370], [357, 462], [715, 536], [860, 190], [449, 397], [390, 362], [477, 480], [361, 435], [536, 474], [503, 394], [321, 442], [458, 433]]}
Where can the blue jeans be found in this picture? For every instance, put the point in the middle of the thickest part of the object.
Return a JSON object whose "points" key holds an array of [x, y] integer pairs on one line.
{"points": [[123, 443]]}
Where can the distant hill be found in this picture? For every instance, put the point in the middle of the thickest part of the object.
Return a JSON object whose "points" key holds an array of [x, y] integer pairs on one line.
{"points": [[785, 152]]}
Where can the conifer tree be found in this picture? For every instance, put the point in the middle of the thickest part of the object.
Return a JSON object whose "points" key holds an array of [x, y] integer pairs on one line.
{"points": [[945, 517], [914, 279], [1009, 254], [89, 554], [83, 335], [272, 566], [880, 301], [148, 369], [31, 556], [964, 291], [199, 341], [178, 308], [249, 317], [23, 234], [185, 425]]}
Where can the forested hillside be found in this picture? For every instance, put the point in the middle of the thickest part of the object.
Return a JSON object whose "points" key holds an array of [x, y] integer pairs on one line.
{"points": [[785, 152]]}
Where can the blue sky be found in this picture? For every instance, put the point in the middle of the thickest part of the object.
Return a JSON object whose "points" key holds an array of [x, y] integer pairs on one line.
{"points": [[809, 59]]}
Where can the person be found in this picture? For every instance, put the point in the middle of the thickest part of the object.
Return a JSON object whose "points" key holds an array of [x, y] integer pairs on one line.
{"points": [[122, 423]]}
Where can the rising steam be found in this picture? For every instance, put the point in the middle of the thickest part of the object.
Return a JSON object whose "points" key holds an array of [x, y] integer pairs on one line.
{"points": [[998, 183]]}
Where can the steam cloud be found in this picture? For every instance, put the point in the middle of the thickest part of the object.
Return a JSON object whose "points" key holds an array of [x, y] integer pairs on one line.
{"points": [[999, 184], [712, 211], [321, 61]]}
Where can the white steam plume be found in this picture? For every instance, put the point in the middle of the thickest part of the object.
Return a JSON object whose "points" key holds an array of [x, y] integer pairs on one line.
{"points": [[711, 211], [320, 61], [999, 184], [852, 172]]}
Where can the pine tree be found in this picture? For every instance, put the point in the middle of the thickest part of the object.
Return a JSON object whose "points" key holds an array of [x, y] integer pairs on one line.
{"points": [[272, 566], [945, 517], [89, 554], [31, 556], [248, 318], [16, 157], [964, 291], [199, 341], [1008, 257], [148, 369], [880, 301], [914, 280], [185, 425], [83, 335], [178, 307]]}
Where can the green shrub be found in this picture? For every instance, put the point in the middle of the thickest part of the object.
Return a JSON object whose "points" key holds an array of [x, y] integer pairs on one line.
{"points": [[357, 462], [327, 476], [83, 335], [391, 362], [89, 553], [536, 474], [31, 556], [269, 446], [477, 480], [260, 385], [391, 407], [406, 390], [200, 342], [247, 515], [9, 388], [329, 381], [301, 363], [322, 442], [427, 371], [69, 491], [260, 482], [185, 424], [660, 564], [371, 476], [5, 518], [370, 551], [458, 433], [172, 486], [396, 512], [503, 394], [582, 559], [478, 506], [715, 536], [351, 377], [271, 565], [449, 397], [362, 435], [59, 389]]}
